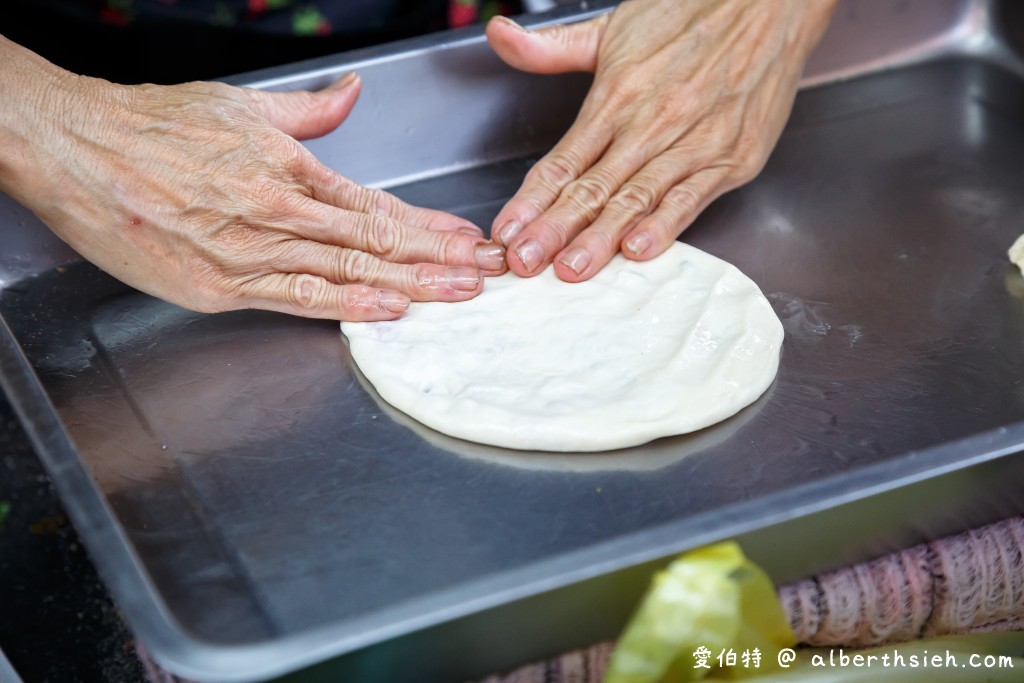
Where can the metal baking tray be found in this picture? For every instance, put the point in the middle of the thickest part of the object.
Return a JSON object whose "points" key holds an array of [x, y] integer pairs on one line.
{"points": [[258, 513]]}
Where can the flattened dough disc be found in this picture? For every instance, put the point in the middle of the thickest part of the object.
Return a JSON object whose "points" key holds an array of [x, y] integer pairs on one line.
{"points": [[640, 351], [1017, 253]]}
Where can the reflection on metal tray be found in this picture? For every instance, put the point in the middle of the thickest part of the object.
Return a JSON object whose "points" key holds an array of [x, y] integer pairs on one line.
{"points": [[258, 513]]}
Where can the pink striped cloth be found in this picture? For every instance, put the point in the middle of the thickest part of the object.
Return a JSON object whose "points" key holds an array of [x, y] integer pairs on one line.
{"points": [[967, 583]]}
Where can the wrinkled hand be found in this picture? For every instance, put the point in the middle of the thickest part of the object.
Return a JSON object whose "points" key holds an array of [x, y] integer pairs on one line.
{"points": [[687, 102], [201, 195]]}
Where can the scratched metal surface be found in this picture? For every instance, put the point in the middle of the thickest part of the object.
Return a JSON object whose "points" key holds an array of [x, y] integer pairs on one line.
{"points": [[265, 494]]}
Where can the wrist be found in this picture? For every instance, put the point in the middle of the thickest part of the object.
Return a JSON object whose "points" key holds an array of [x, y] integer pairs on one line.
{"points": [[25, 79], [39, 105]]}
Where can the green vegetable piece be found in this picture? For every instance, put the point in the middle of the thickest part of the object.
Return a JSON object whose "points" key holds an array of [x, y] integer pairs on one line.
{"points": [[764, 624], [708, 601]]}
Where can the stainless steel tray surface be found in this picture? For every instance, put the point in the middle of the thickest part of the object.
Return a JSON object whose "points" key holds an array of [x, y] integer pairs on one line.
{"points": [[258, 511]]}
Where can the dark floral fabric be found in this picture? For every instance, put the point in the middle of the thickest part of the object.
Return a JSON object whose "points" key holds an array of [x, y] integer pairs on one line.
{"points": [[172, 41], [292, 17]]}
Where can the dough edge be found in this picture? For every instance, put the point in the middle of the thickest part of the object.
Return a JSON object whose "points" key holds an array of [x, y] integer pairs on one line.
{"points": [[1016, 253]]}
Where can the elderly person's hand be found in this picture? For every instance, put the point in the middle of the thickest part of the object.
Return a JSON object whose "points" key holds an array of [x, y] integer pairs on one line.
{"points": [[201, 195], [688, 99]]}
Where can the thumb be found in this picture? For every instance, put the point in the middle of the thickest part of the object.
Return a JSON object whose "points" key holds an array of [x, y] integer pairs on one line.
{"points": [[550, 50], [304, 114]]}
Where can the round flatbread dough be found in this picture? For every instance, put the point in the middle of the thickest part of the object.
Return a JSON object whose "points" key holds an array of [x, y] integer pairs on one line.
{"points": [[640, 351], [1017, 253]]}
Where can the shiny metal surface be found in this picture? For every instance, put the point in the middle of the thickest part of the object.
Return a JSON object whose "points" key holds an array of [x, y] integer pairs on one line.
{"points": [[257, 511], [7, 673]]}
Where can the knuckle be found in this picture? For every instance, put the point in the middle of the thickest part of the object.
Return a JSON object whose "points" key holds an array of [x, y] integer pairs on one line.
{"points": [[589, 194], [277, 143], [616, 89], [264, 189], [353, 266], [555, 170], [217, 88], [307, 291], [561, 33], [382, 238], [372, 202], [666, 110], [634, 199], [359, 198], [636, 147], [384, 204], [686, 199], [424, 277], [282, 149], [296, 159], [335, 188], [230, 246], [274, 197]]}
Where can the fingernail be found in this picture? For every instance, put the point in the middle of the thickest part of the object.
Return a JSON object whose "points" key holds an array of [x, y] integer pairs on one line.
{"points": [[346, 81], [392, 301], [508, 232], [530, 253], [463, 279], [511, 23], [467, 230], [638, 243], [577, 259], [489, 257]]}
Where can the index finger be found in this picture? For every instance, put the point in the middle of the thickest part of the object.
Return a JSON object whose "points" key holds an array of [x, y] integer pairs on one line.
{"points": [[330, 187], [577, 151], [391, 240]]}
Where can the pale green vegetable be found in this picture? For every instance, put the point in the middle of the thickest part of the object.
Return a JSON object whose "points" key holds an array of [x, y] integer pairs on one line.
{"points": [[714, 601], [710, 600]]}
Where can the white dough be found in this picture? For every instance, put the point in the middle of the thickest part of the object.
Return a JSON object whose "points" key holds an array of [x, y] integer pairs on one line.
{"points": [[1017, 253], [640, 351]]}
